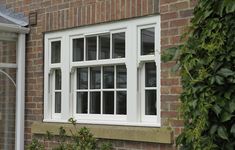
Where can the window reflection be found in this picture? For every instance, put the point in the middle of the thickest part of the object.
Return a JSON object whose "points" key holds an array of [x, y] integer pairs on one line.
{"points": [[91, 46], [121, 76], [78, 49], [55, 51], [82, 78], [108, 77], [104, 46], [95, 102], [147, 41], [95, 77], [119, 45]]}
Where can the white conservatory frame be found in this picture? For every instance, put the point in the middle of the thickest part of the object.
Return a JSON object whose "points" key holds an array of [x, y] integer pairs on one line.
{"points": [[11, 32]]}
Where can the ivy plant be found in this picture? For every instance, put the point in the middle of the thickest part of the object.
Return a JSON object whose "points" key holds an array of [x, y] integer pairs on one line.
{"points": [[207, 68]]}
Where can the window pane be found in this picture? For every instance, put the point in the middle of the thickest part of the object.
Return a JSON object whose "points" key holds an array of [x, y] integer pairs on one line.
{"points": [[57, 79], [95, 77], [78, 49], [82, 78], [108, 102], [150, 75], [57, 102], [147, 41], [118, 45], [55, 52], [95, 102], [91, 48], [150, 102], [108, 77], [104, 46], [121, 76], [121, 102], [82, 102]]}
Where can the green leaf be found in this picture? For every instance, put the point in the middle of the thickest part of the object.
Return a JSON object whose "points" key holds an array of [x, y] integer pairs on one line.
{"points": [[219, 80], [226, 116], [213, 129], [233, 129], [232, 106], [216, 109], [222, 133], [225, 72]]}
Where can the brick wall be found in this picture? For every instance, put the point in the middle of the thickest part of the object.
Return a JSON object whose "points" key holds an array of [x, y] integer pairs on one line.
{"points": [[62, 14]]}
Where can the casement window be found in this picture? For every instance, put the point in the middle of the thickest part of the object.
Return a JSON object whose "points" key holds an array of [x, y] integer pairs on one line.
{"points": [[104, 74]]}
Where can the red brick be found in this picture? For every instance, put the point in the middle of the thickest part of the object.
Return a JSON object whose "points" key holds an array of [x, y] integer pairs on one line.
{"points": [[164, 8], [128, 8], [133, 8], [170, 82], [168, 16], [169, 114], [176, 90], [170, 32], [138, 7], [108, 10], [179, 23], [167, 1], [103, 11], [177, 123], [174, 106], [179, 6], [144, 7], [186, 13], [170, 98]]}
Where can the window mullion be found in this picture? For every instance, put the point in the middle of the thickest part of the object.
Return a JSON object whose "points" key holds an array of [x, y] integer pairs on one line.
{"points": [[88, 91], [65, 78], [115, 91], [101, 90], [131, 64]]}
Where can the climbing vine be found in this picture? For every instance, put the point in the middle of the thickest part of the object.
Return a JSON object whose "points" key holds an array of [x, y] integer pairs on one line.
{"points": [[207, 65]]}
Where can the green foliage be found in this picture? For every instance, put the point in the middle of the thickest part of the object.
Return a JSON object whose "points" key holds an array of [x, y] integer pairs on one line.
{"points": [[207, 62], [35, 145], [82, 139]]}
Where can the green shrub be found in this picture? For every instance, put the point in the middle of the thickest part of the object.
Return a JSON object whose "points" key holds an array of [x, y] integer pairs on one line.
{"points": [[207, 65], [81, 139]]}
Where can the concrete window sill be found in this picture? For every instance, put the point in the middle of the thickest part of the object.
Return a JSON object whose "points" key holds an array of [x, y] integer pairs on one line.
{"points": [[142, 134]]}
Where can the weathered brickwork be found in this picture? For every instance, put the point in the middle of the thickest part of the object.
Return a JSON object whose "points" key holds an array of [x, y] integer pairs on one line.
{"points": [[62, 14]]}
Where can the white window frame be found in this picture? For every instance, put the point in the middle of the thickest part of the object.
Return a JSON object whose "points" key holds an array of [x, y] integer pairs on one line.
{"points": [[133, 61]]}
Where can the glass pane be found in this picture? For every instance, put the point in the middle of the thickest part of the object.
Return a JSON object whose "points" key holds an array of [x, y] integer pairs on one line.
{"points": [[7, 109], [78, 49], [55, 52], [82, 78], [150, 75], [82, 102], [118, 45], [121, 102], [150, 102], [7, 52], [104, 46], [121, 76], [108, 102], [147, 41], [95, 102], [57, 102], [57, 79], [108, 77], [95, 77], [91, 46]]}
